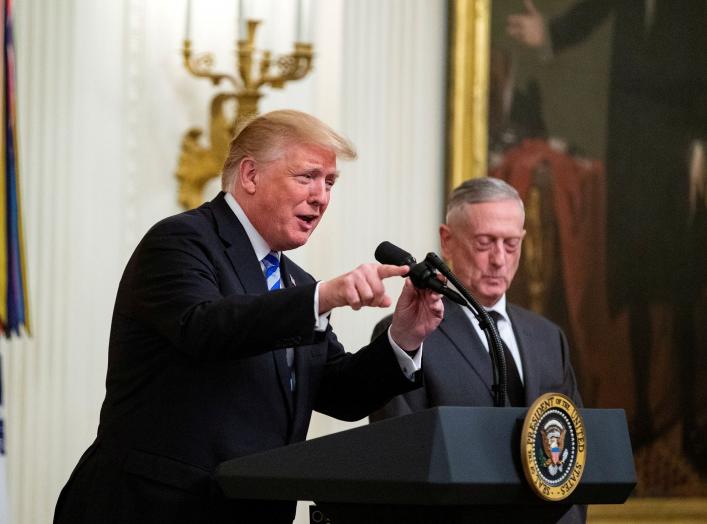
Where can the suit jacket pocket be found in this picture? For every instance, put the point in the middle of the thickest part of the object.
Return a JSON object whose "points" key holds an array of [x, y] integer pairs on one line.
{"points": [[167, 471]]}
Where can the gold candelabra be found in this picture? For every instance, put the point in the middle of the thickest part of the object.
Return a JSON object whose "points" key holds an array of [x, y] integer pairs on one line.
{"points": [[199, 162]]}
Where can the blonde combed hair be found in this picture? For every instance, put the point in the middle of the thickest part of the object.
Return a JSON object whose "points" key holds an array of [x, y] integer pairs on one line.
{"points": [[264, 138]]}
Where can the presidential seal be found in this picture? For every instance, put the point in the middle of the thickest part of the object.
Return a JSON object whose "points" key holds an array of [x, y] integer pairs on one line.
{"points": [[553, 446]]}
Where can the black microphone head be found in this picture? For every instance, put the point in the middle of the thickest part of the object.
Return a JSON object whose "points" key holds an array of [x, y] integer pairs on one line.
{"points": [[436, 262], [387, 253]]}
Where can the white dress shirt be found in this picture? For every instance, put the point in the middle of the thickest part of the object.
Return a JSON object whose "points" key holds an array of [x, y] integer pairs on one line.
{"points": [[505, 330]]}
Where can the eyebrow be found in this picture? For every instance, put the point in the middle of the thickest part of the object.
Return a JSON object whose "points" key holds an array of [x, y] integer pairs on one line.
{"points": [[303, 171]]}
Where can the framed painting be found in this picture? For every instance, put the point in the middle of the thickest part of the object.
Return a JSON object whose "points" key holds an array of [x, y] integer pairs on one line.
{"points": [[596, 111]]}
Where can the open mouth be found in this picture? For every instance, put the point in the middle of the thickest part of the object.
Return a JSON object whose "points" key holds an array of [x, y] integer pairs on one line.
{"points": [[308, 219]]}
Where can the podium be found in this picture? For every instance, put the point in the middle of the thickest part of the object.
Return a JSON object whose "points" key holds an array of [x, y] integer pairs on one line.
{"points": [[445, 464]]}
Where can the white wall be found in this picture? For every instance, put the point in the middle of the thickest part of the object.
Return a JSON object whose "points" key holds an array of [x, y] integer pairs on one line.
{"points": [[103, 103]]}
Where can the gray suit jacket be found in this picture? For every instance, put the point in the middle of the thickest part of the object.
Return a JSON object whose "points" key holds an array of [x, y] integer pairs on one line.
{"points": [[457, 368]]}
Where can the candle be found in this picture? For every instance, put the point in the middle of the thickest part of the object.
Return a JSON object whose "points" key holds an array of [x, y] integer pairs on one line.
{"points": [[303, 19], [187, 25], [241, 21]]}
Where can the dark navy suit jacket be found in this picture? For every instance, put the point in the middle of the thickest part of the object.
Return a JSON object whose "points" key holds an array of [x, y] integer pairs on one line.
{"points": [[197, 375]]}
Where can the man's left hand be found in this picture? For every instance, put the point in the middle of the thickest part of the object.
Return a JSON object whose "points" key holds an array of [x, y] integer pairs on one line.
{"points": [[417, 313]]}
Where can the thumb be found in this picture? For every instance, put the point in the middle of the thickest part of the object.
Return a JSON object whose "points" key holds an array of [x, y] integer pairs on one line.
{"points": [[530, 7]]}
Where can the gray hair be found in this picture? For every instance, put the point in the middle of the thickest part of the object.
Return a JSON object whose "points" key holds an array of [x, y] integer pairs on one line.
{"points": [[478, 190]]}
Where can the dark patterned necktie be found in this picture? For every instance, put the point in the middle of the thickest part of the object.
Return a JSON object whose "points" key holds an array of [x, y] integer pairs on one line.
{"points": [[514, 386]]}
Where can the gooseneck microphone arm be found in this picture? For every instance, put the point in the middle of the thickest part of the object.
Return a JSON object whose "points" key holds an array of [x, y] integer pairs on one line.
{"points": [[498, 359], [424, 276]]}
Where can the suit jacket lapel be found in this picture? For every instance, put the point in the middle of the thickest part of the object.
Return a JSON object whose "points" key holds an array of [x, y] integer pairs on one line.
{"points": [[238, 248], [250, 274], [458, 329], [530, 357]]}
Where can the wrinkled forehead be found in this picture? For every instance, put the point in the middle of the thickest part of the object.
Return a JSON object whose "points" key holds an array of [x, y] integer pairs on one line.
{"points": [[507, 214]]}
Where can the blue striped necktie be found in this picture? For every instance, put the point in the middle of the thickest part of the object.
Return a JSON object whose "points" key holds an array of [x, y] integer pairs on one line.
{"points": [[271, 268], [271, 263]]}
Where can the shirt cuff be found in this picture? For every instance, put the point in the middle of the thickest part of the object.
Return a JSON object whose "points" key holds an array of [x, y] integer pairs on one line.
{"points": [[409, 364], [321, 322]]}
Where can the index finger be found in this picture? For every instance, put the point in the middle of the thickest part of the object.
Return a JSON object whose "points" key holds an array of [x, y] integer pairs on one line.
{"points": [[387, 270], [530, 7]]}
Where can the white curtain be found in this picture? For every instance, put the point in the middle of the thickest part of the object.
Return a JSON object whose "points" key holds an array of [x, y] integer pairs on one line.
{"points": [[103, 103]]}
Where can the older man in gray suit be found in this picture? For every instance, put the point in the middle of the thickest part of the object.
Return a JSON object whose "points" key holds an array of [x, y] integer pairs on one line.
{"points": [[482, 240]]}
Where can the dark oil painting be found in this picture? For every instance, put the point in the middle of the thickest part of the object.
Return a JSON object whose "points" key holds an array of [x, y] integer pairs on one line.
{"points": [[598, 116]]}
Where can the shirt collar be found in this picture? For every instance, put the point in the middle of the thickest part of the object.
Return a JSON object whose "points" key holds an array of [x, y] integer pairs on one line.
{"points": [[260, 246], [500, 308]]}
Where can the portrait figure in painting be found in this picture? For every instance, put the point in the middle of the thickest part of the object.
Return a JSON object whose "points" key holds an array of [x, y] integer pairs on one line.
{"points": [[621, 161]]}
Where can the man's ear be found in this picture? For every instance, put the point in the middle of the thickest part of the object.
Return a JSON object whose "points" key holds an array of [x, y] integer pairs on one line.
{"points": [[247, 175], [445, 236]]}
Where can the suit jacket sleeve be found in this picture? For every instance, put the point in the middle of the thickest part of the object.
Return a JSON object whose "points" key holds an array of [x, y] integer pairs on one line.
{"points": [[174, 287], [414, 400], [578, 23], [180, 286], [356, 384]]}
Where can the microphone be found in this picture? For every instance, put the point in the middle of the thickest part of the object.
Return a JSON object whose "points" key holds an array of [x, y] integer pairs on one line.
{"points": [[387, 253], [422, 275]]}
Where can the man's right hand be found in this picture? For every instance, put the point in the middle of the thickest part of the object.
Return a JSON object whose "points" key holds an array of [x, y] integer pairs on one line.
{"points": [[361, 287], [528, 28]]}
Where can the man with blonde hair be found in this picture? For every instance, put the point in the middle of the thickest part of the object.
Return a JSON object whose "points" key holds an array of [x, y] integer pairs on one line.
{"points": [[221, 347]]}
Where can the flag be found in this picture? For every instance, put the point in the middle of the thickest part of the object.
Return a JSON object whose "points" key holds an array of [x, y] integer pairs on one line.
{"points": [[13, 280], [13, 275]]}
